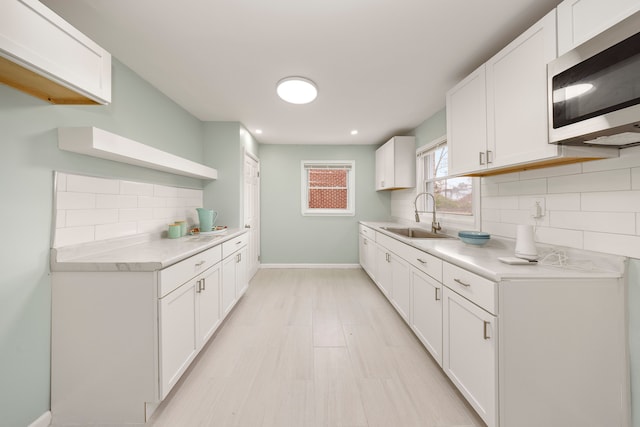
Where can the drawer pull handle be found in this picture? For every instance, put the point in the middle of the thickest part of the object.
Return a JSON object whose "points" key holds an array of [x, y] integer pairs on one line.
{"points": [[421, 261], [437, 294], [204, 284], [486, 330], [199, 286], [468, 285], [237, 243], [198, 264]]}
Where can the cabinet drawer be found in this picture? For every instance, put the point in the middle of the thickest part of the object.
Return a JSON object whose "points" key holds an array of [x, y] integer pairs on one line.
{"points": [[234, 244], [369, 232], [422, 261], [478, 290], [174, 276]]}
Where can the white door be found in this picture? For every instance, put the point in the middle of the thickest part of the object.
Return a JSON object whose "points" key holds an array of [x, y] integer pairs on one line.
{"points": [[252, 212]]}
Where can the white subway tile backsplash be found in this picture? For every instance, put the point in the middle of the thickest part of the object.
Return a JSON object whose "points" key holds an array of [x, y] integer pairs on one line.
{"points": [[116, 201], [629, 158], [530, 186], [151, 202], [500, 229], [89, 184], [492, 215], [65, 200], [111, 231], [614, 201], [608, 222], [507, 177], [563, 202], [90, 209], [73, 235], [635, 178], [136, 188], [559, 236], [613, 180], [164, 191], [80, 217], [490, 189], [500, 202], [617, 244], [136, 214]]}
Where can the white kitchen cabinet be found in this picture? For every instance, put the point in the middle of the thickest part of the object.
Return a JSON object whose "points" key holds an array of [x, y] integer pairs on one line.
{"points": [[401, 288], [234, 275], [497, 119], [426, 312], [43, 55], [121, 339], [367, 250], [467, 124], [178, 340], [470, 353], [384, 273], [395, 164], [581, 20], [517, 96]]}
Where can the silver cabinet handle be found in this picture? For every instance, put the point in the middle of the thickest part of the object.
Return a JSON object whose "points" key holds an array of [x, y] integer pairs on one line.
{"points": [[437, 294], [421, 261], [204, 284], [481, 160], [198, 264], [247, 226], [365, 242], [237, 243], [468, 285], [198, 286], [486, 330], [489, 157]]}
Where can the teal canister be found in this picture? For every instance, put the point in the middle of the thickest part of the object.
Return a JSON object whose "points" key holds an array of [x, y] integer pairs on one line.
{"points": [[206, 218]]}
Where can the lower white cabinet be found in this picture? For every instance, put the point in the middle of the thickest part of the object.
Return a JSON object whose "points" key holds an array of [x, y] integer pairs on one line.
{"points": [[470, 353], [234, 275], [122, 339], [547, 350], [367, 254], [426, 312]]}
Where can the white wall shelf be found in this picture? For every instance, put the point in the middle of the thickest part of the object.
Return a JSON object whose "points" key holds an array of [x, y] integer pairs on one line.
{"points": [[95, 142]]}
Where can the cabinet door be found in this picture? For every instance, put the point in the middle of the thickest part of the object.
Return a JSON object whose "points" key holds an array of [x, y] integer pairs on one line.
{"points": [[467, 124], [367, 255], [401, 278], [178, 345], [383, 158], [426, 312], [470, 353], [228, 291], [383, 271], [517, 125], [580, 20], [242, 283], [208, 294]]}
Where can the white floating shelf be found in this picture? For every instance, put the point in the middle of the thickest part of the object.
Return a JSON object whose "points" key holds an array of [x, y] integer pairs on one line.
{"points": [[106, 145]]}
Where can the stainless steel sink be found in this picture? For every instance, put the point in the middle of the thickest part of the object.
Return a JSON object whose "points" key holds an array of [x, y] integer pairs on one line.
{"points": [[416, 233]]}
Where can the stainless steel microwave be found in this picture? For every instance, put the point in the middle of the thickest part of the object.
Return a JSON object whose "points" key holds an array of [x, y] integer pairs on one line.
{"points": [[594, 90]]}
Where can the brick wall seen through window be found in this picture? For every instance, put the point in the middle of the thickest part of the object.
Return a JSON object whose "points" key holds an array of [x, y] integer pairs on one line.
{"points": [[328, 189]]}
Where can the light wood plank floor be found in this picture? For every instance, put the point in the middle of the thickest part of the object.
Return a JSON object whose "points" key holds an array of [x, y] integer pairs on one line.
{"points": [[314, 348]]}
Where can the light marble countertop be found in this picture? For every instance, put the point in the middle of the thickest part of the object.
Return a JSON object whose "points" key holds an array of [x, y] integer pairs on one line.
{"points": [[139, 253], [483, 260]]}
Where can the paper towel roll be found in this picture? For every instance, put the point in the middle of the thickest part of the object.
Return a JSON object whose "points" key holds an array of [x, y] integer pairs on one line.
{"points": [[525, 245]]}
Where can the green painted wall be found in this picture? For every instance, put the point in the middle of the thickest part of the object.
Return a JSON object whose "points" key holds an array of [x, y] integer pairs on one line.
{"points": [[29, 157], [290, 238], [432, 128]]}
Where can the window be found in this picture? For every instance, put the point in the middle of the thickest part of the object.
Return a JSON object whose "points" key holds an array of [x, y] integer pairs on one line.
{"points": [[456, 200], [328, 187]]}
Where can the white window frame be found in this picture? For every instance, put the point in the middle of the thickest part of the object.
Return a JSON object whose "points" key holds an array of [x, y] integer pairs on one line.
{"points": [[448, 220], [350, 165]]}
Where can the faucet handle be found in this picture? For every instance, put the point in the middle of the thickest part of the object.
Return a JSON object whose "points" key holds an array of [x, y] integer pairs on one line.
{"points": [[435, 226]]}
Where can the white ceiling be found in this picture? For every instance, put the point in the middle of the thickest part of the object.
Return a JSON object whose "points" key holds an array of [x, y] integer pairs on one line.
{"points": [[381, 66]]}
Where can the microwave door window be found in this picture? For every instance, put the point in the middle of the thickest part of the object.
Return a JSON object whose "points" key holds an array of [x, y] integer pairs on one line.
{"points": [[606, 82]]}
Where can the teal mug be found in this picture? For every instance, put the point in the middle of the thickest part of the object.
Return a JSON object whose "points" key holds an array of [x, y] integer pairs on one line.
{"points": [[206, 218]]}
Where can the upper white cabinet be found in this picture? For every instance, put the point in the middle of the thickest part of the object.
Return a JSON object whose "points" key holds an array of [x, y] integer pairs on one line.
{"points": [[395, 164], [497, 117], [467, 124], [580, 20], [43, 55]]}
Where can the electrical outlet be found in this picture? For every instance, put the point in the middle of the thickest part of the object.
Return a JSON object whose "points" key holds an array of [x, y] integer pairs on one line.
{"points": [[538, 210]]}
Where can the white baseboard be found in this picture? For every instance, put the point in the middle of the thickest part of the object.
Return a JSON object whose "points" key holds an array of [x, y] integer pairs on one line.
{"points": [[43, 420], [309, 265]]}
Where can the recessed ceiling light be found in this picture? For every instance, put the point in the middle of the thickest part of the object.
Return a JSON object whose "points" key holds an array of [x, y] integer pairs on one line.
{"points": [[297, 90], [259, 131], [354, 132]]}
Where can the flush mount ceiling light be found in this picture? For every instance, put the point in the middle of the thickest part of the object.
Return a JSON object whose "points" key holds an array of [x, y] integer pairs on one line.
{"points": [[297, 90]]}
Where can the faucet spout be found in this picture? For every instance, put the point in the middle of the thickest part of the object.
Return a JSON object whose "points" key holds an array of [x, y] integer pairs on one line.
{"points": [[435, 225]]}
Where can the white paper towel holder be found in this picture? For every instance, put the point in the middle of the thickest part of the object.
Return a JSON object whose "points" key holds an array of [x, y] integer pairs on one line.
{"points": [[525, 244]]}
